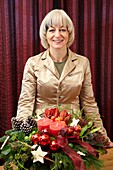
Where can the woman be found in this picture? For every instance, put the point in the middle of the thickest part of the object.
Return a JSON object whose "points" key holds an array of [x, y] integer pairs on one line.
{"points": [[58, 76]]}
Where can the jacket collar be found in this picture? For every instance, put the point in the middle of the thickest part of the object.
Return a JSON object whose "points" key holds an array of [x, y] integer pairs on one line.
{"points": [[69, 66]]}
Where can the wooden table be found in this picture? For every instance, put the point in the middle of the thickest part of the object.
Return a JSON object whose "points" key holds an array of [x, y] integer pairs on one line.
{"points": [[107, 158]]}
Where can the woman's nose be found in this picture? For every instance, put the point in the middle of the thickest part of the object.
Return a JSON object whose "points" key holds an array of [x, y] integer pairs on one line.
{"points": [[57, 33]]}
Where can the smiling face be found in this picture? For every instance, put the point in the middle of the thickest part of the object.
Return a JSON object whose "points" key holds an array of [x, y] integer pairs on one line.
{"points": [[56, 18], [57, 37]]}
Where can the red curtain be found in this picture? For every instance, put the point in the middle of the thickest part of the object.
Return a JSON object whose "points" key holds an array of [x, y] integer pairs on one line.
{"points": [[19, 39]]}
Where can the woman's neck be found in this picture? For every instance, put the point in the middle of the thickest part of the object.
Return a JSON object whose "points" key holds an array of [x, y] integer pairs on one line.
{"points": [[58, 55]]}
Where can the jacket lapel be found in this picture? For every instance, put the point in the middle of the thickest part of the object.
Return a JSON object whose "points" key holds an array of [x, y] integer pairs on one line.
{"points": [[70, 65], [49, 64]]}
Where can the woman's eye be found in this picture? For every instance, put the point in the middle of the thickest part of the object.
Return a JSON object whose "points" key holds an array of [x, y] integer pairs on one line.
{"points": [[63, 30], [51, 30]]}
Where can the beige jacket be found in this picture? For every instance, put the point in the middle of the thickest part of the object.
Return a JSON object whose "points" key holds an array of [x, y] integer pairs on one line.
{"points": [[43, 85]]}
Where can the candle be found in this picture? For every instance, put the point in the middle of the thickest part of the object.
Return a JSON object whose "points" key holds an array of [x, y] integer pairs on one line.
{"points": [[55, 127], [44, 123]]}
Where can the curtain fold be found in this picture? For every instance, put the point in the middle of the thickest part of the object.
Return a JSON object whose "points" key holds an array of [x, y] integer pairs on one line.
{"points": [[19, 39]]}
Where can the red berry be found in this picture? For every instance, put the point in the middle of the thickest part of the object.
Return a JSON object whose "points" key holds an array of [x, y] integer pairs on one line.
{"points": [[70, 130], [77, 128], [44, 139], [54, 146], [35, 138]]}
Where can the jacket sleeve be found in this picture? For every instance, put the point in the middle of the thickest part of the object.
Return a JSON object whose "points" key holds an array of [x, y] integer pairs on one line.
{"points": [[28, 91], [88, 101]]}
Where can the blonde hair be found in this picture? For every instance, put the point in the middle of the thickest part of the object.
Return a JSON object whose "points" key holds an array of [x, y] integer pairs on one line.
{"points": [[56, 17]]}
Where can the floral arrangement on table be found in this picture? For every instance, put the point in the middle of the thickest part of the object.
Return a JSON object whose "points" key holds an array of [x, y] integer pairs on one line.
{"points": [[57, 140]]}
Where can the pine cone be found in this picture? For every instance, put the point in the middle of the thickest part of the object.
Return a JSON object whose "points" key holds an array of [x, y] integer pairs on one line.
{"points": [[16, 123], [31, 121], [26, 128]]}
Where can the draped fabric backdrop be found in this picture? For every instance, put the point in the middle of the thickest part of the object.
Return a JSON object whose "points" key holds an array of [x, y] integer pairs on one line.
{"points": [[19, 39]]}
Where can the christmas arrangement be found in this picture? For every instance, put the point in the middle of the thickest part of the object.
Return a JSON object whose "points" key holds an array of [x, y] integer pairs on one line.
{"points": [[57, 140]]}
